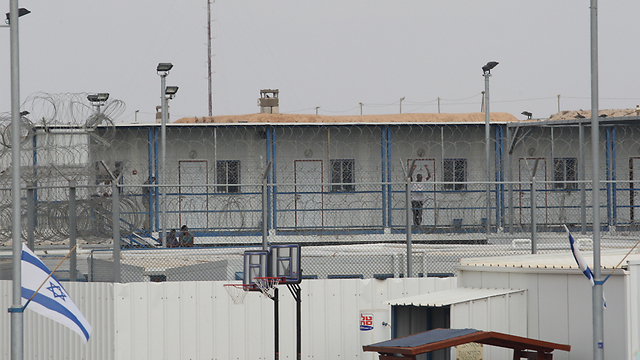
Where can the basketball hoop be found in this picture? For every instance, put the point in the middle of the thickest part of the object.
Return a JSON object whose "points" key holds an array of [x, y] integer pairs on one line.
{"points": [[237, 292], [267, 285]]}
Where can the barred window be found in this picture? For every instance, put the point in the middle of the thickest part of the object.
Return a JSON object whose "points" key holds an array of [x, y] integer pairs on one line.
{"points": [[455, 174], [565, 173], [342, 175], [228, 172]]}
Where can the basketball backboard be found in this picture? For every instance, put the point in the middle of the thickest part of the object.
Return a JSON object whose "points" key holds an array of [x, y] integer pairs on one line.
{"points": [[256, 264], [285, 262]]}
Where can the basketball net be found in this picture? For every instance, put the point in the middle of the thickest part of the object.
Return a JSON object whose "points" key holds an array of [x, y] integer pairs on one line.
{"points": [[237, 292], [267, 285]]}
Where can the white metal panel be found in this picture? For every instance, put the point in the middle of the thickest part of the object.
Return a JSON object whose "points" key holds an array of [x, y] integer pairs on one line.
{"points": [[46, 339], [197, 320], [633, 310], [451, 296], [492, 280], [529, 282], [553, 297], [517, 318]]}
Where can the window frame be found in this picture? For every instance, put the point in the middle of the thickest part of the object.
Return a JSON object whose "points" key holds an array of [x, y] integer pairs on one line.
{"points": [[562, 166], [223, 185], [344, 176], [455, 174]]}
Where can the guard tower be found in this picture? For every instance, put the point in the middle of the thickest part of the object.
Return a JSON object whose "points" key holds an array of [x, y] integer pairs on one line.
{"points": [[269, 102]]}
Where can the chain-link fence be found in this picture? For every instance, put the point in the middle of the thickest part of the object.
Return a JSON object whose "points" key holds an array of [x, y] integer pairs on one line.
{"points": [[357, 233], [342, 190]]}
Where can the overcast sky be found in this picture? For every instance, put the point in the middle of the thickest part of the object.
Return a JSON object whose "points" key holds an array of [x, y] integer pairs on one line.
{"points": [[331, 53]]}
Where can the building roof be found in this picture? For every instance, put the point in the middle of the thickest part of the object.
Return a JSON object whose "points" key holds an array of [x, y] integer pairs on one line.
{"points": [[608, 260], [437, 339], [350, 119], [450, 297], [586, 114]]}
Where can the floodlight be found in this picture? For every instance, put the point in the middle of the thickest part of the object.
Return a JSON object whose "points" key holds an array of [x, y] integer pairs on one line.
{"points": [[164, 67], [171, 90], [98, 99], [24, 113], [21, 12], [490, 65], [527, 114]]}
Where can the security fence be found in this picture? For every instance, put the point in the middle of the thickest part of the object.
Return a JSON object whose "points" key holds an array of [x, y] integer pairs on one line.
{"points": [[345, 190], [366, 230]]}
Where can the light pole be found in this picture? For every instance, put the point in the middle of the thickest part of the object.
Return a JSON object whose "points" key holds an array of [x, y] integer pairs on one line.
{"points": [[163, 71], [486, 70], [402, 98], [17, 344]]}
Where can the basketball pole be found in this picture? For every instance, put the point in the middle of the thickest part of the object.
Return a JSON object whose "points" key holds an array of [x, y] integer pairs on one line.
{"points": [[276, 325], [295, 292]]}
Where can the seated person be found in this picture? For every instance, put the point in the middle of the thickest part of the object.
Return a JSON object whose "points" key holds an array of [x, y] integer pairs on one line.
{"points": [[172, 239], [186, 239]]}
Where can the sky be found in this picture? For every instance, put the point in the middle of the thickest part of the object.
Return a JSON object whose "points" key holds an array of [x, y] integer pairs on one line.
{"points": [[332, 54]]}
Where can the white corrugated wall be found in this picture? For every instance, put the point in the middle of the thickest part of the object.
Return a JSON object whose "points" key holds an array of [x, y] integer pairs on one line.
{"points": [[46, 339], [198, 320]]}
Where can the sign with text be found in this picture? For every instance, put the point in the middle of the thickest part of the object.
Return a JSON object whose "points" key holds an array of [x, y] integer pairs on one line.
{"points": [[469, 351], [366, 321]]}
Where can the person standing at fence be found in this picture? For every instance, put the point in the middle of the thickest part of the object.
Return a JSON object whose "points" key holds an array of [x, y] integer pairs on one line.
{"points": [[147, 200], [186, 239], [418, 195], [172, 239]]}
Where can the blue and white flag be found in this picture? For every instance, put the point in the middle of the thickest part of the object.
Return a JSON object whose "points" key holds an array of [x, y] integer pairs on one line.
{"points": [[52, 300], [582, 263]]}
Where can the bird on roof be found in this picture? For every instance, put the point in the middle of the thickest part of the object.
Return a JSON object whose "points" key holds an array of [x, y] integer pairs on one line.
{"points": [[490, 65]]}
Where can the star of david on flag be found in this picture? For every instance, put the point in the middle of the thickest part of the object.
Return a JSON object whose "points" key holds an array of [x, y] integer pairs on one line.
{"points": [[52, 300]]}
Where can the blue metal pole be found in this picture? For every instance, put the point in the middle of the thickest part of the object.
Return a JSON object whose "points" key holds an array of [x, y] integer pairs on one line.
{"points": [[383, 160], [608, 172]]}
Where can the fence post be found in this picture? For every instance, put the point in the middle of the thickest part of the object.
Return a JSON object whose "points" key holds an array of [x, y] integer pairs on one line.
{"points": [[408, 219], [265, 215], [31, 217], [115, 209], [73, 258], [582, 173], [534, 220]]}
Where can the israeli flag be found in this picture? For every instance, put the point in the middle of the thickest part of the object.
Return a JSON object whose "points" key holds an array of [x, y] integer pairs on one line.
{"points": [[582, 264], [52, 300]]}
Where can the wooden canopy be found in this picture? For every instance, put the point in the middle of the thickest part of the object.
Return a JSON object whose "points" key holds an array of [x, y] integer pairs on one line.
{"points": [[408, 347]]}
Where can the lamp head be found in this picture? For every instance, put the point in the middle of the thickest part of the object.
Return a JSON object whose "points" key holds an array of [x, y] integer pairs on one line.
{"points": [[488, 66], [171, 91], [164, 68], [99, 98], [21, 12]]}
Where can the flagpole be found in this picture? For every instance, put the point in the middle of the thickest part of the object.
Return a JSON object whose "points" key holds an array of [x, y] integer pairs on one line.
{"points": [[17, 341], [596, 291], [48, 277]]}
